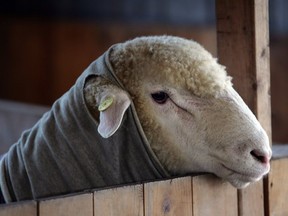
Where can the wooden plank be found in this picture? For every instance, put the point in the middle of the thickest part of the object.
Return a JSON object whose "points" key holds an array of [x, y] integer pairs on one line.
{"points": [[15, 209], [243, 46], [251, 200], [262, 65], [120, 201], [212, 196], [278, 188], [170, 197], [67, 206]]}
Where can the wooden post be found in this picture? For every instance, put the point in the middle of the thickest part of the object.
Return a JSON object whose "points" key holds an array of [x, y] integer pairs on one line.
{"points": [[243, 47], [278, 189]]}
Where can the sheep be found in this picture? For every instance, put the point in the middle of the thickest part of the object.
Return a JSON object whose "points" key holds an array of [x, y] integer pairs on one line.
{"points": [[149, 108]]}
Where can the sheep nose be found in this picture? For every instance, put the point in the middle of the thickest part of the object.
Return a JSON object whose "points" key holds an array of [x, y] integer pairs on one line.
{"points": [[261, 156]]}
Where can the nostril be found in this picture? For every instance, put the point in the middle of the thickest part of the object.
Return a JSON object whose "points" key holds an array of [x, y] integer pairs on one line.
{"points": [[259, 156]]}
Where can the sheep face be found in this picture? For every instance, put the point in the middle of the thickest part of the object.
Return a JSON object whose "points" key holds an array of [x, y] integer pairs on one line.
{"points": [[217, 135], [193, 118]]}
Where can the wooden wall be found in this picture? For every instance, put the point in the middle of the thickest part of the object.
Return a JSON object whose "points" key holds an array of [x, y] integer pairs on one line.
{"points": [[40, 60], [279, 88]]}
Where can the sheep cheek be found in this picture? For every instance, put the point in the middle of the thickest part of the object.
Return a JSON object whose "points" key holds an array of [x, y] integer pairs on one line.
{"points": [[241, 134]]}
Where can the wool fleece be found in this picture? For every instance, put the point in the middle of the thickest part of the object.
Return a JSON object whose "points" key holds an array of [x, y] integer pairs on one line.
{"points": [[64, 152]]}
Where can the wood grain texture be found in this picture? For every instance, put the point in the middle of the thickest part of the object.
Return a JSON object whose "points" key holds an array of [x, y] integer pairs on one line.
{"points": [[236, 50], [278, 188], [251, 200], [262, 58], [243, 46], [170, 197], [22, 208], [67, 206], [122, 201], [212, 196]]}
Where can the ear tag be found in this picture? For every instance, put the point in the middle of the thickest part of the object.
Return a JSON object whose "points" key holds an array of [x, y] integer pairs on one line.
{"points": [[105, 104]]}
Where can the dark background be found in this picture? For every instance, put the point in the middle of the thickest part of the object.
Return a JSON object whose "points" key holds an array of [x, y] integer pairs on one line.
{"points": [[45, 45]]}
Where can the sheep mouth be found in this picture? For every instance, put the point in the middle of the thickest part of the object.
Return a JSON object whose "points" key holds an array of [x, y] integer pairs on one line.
{"points": [[239, 179], [249, 177]]}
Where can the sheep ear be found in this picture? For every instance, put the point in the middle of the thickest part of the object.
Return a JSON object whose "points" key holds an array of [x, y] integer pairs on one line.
{"points": [[113, 104]]}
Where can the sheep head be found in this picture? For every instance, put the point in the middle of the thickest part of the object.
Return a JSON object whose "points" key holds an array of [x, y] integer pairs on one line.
{"points": [[193, 118]]}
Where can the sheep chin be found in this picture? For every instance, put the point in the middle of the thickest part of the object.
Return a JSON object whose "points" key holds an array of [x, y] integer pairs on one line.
{"points": [[239, 180], [238, 184], [242, 181]]}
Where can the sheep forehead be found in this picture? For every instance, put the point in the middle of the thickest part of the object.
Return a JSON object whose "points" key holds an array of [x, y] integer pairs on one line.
{"points": [[175, 60]]}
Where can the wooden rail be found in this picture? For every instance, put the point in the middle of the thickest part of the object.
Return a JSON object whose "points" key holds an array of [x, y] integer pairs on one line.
{"points": [[185, 196], [201, 195]]}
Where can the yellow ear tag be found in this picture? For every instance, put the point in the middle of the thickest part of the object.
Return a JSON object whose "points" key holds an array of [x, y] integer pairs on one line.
{"points": [[105, 104]]}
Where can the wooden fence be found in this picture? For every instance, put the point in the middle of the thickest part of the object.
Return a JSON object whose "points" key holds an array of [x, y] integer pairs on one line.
{"points": [[197, 196], [185, 196]]}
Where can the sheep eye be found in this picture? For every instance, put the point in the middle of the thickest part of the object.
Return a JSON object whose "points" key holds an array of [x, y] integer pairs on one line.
{"points": [[160, 97]]}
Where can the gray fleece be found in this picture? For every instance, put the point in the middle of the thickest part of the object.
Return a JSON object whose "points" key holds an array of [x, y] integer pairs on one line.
{"points": [[64, 152]]}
